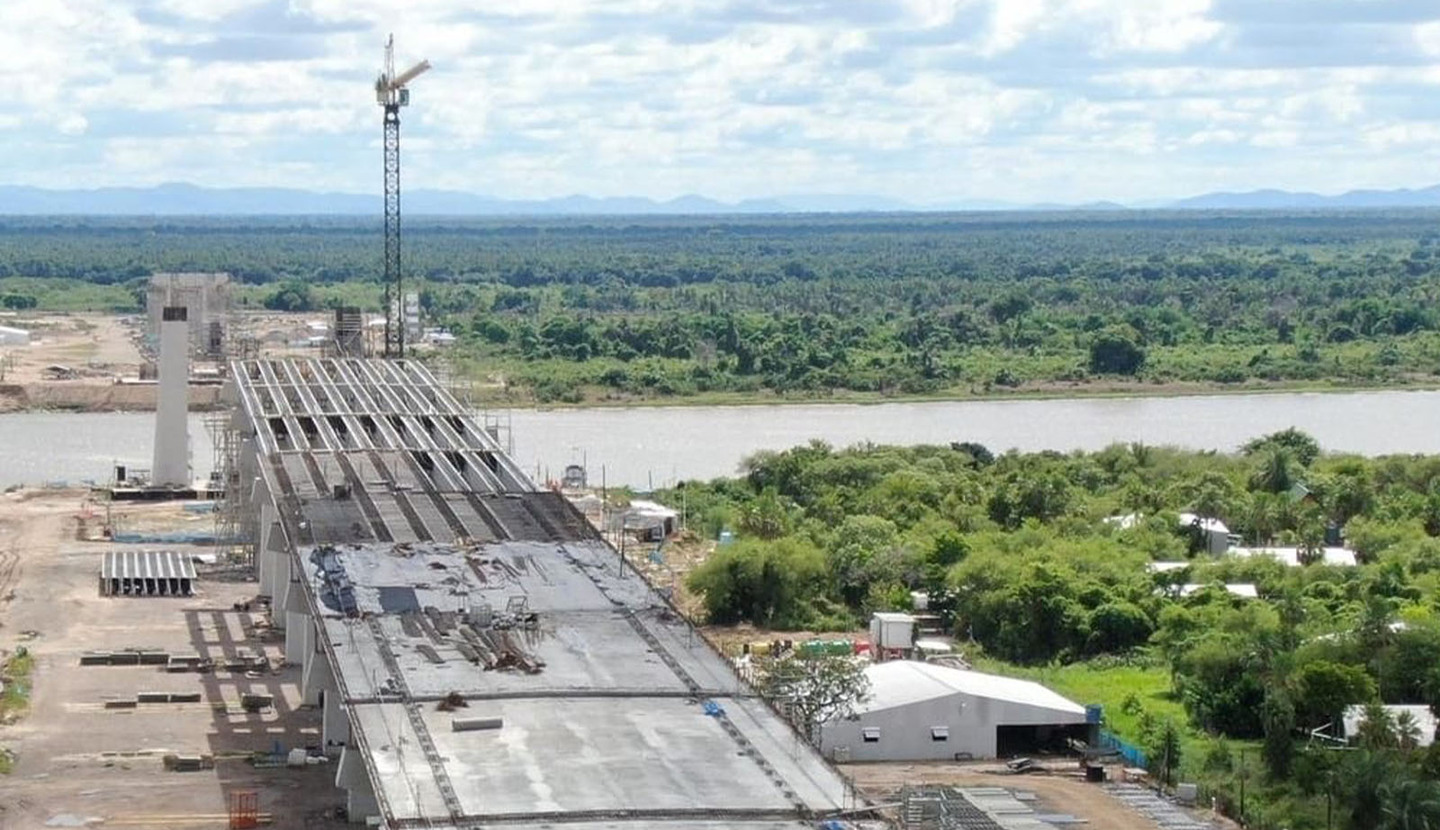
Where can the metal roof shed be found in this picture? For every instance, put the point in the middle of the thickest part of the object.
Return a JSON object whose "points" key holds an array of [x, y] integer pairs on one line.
{"points": [[924, 711], [146, 573]]}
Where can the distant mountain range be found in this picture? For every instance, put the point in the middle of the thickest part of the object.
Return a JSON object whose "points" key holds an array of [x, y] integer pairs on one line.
{"points": [[191, 200]]}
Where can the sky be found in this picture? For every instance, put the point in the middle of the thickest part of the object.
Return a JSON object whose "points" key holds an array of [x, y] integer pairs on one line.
{"points": [[927, 101]]}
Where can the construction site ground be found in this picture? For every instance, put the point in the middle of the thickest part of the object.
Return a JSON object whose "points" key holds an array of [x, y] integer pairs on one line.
{"points": [[77, 362], [77, 762], [102, 358], [1060, 789]]}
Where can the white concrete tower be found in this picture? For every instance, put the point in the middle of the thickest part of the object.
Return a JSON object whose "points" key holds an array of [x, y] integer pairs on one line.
{"points": [[172, 428]]}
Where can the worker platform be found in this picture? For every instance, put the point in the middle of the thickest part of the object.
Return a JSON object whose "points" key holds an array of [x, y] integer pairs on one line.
{"points": [[482, 657]]}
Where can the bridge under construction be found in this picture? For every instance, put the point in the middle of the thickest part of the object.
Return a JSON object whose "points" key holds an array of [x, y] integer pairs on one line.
{"points": [[481, 656]]}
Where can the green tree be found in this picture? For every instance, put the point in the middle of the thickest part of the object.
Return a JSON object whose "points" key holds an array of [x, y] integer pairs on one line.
{"points": [[1309, 535], [1377, 728], [1212, 496], [1118, 626], [1115, 352], [1164, 752], [1302, 448], [1366, 779], [1407, 731], [1325, 689], [812, 690], [856, 546], [291, 296], [770, 584], [1277, 716], [1409, 804], [765, 516], [1275, 471]]}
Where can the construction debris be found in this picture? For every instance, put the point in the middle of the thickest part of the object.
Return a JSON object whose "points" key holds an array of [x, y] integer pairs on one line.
{"points": [[256, 703], [188, 763], [475, 724]]}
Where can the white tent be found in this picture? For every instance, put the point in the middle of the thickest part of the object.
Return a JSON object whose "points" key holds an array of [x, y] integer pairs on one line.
{"points": [[922, 711]]}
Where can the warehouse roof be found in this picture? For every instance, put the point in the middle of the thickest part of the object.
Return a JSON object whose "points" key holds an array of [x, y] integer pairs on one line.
{"points": [[902, 682]]}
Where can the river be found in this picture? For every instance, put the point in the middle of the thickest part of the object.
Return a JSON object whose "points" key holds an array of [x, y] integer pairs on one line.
{"points": [[656, 446]]}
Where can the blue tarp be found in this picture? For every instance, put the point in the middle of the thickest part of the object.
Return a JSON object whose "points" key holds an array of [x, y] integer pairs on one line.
{"points": [[712, 708], [179, 537]]}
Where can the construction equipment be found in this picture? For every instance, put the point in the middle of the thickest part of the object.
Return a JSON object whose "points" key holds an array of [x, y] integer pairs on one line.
{"points": [[391, 93]]}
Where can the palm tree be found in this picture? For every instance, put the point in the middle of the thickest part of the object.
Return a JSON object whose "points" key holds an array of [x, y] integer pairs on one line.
{"points": [[1310, 537], [1377, 728], [1407, 730], [1367, 778], [1276, 473], [1409, 804], [1268, 514]]}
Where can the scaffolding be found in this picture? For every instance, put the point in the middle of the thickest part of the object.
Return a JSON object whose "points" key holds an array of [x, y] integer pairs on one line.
{"points": [[461, 386], [231, 546]]}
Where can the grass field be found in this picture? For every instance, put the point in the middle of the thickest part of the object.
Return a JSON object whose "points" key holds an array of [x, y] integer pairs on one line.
{"points": [[1110, 684], [15, 674]]}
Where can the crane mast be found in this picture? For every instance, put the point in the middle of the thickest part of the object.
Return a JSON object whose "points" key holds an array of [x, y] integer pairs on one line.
{"points": [[392, 94]]}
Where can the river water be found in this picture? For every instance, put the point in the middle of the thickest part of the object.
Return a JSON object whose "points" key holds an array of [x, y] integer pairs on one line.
{"points": [[655, 446]]}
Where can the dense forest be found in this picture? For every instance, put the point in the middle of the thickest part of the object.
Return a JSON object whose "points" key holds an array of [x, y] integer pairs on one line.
{"points": [[1023, 556], [818, 306]]}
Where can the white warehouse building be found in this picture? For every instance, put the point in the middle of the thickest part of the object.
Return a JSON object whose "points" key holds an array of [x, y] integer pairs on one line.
{"points": [[927, 712]]}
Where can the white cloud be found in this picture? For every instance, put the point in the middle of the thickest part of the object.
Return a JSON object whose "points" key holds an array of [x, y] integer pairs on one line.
{"points": [[929, 100]]}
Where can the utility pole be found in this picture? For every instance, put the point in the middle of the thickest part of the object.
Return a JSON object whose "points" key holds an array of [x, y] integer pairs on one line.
{"points": [[1242, 787], [392, 94]]}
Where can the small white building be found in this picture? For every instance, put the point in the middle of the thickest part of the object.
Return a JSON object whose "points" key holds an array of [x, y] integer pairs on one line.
{"points": [[1214, 535], [928, 712], [1340, 557], [1213, 532], [10, 336], [650, 520], [892, 632]]}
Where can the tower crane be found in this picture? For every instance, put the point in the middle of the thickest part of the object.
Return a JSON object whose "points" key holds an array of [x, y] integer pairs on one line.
{"points": [[392, 94]]}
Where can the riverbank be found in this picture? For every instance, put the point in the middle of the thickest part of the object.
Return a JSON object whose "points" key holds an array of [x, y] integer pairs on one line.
{"points": [[92, 396], [80, 396], [492, 397]]}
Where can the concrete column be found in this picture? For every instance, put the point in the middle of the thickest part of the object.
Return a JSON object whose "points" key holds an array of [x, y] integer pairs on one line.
{"points": [[334, 724], [350, 776], [171, 467], [316, 678], [296, 625], [307, 642], [360, 805], [273, 562]]}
